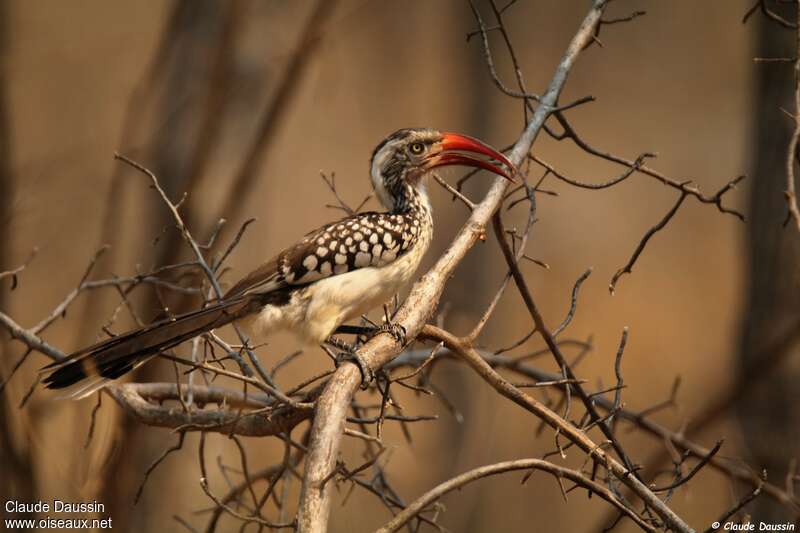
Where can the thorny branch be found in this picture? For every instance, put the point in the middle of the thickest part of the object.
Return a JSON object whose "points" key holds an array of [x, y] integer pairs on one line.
{"points": [[574, 434], [684, 187], [331, 407], [559, 472], [739, 505], [731, 468]]}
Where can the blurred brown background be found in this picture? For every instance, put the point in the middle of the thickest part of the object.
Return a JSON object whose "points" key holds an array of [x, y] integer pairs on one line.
{"points": [[679, 81]]}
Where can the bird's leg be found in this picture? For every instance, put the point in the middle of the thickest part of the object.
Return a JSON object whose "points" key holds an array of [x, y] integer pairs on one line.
{"points": [[395, 330], [355, 330], [349, 353]]}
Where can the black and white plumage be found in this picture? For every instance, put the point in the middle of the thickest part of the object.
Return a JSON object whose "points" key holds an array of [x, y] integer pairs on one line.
{"points": [[334, 274]]}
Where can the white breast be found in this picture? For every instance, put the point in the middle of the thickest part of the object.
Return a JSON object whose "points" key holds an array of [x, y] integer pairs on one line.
{"points": [[314, 312]]}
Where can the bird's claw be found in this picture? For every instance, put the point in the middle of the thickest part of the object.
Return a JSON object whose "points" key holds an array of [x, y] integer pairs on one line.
{"points": [[395, 330]]}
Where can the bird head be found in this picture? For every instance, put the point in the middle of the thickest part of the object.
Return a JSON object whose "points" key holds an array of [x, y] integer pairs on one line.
{"points": [[405, 157]]}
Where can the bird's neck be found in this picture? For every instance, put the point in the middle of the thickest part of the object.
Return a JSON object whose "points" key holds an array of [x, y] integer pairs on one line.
{"points": [[409, 199]]}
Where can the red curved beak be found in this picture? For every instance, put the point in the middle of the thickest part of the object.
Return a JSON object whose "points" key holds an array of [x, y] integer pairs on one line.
{"points": [[453, 145]]}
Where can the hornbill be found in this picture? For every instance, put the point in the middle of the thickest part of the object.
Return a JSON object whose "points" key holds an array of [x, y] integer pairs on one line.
{"points": [[334, 274]]}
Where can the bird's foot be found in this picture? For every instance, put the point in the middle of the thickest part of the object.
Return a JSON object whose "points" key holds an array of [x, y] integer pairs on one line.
{"points": [[395, 330], [367, 374], [350, 354]]}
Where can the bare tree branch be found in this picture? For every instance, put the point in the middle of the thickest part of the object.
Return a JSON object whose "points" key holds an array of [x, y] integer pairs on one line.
{"points": [[420, 504], [133, 398], [578, 437], [328, 426]]}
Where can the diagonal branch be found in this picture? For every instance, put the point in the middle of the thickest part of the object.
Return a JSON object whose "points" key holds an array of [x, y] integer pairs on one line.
{"points": [[550, 340], [595, 451], [680, 439], [559, 472], [30, 338]]}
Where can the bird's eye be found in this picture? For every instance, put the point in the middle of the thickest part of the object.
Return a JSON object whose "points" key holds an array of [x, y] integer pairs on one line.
{"points": [[417, 148]]}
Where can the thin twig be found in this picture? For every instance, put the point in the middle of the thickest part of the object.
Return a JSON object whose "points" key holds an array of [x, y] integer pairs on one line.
{"points": [[643, 242], [178, 445], [13, 273], [573, 303], [682, 481], [225, 507], [740, 505]]}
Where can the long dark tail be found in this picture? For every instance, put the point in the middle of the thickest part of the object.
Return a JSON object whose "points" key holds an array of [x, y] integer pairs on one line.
{"points": [[89, 369]]}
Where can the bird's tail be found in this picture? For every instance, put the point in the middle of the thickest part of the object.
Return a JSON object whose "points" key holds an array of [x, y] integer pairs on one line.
{"points": [[88, 370]]}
